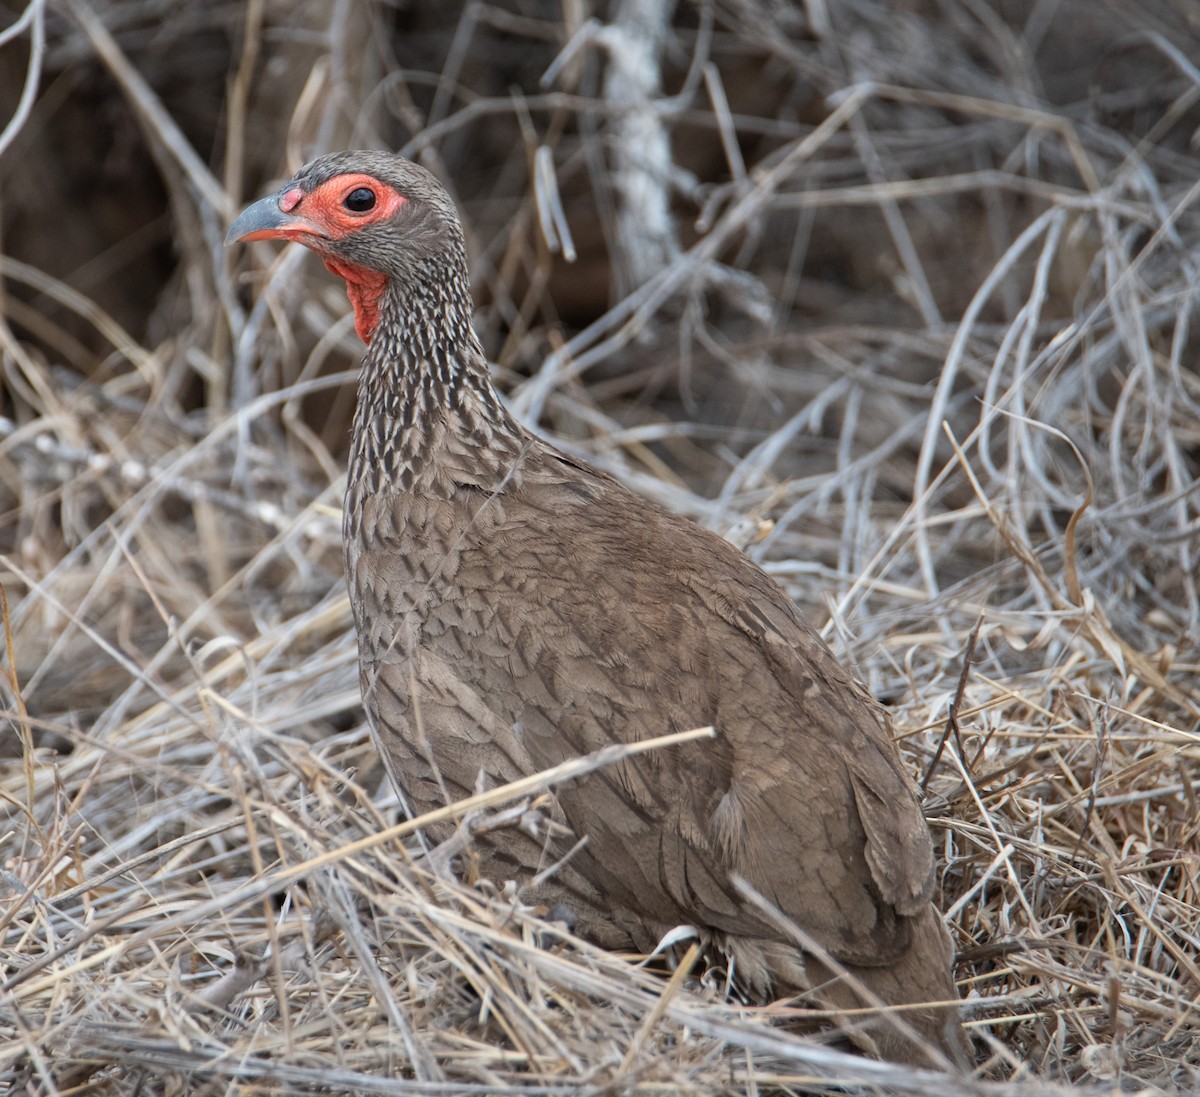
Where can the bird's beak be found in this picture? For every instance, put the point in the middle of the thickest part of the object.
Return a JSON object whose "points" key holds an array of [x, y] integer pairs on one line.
{"points": [[266, 221]]}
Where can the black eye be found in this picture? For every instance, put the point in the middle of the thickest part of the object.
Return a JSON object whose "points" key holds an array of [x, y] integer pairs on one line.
{"points": [[360, 200]]}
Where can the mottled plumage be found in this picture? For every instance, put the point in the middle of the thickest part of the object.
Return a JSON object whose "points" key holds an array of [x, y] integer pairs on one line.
{"points": [[516, 608]]}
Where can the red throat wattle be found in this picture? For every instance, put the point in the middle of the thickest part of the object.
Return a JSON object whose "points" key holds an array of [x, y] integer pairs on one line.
{"points": [[364, 287]]}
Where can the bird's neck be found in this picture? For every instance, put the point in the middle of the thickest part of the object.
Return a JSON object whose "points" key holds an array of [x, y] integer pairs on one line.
{"points": [[428, 419]]}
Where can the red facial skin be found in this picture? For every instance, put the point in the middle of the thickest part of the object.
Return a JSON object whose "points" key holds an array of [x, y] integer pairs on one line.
{"points": [[321, 214]]}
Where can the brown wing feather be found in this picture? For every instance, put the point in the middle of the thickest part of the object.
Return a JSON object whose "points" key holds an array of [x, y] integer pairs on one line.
{"points": [[645, 624]]}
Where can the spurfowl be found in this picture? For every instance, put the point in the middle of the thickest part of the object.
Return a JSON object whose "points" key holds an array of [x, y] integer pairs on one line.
{"points": [[516, 607]]}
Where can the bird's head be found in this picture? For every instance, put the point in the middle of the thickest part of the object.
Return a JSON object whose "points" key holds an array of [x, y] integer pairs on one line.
{"points": [[374, 218]]}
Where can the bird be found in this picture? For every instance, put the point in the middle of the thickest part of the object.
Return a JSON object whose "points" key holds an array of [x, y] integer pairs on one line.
{"points": [[515, 608]]}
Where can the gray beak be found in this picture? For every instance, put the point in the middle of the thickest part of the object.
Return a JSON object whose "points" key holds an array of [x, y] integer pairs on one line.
{"points": [[264, 220]]}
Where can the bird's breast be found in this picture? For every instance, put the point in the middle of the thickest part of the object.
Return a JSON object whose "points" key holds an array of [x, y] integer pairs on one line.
{"points": [[415, 559]]}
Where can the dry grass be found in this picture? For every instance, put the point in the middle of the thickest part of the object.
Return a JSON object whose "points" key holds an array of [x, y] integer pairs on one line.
{"points": [[912, 316]]}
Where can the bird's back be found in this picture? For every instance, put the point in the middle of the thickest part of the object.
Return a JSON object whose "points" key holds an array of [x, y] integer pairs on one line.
{"points": [[505, 629]]}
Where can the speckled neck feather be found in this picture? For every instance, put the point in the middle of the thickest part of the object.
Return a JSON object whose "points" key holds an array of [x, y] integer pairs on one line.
{"points": [[425, 387]]}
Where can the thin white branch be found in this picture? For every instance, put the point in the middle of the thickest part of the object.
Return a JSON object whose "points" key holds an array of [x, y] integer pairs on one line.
{"points": [[33, 16]]}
